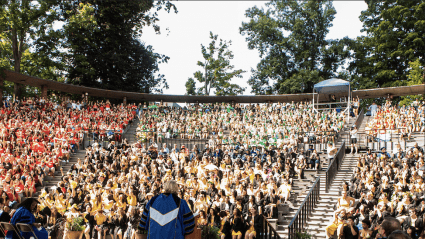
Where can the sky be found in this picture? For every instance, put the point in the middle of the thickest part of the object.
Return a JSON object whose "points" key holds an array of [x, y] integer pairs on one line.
{"points": [[190, 28]]}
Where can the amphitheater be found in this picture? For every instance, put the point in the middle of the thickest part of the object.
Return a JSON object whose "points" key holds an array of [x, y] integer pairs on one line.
{"points": [[313, 196]]}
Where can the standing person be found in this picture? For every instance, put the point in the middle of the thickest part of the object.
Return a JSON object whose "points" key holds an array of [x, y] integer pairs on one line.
{"points": [[167, 215], [24, 214], [356, 106], [354, 136], [373, 108], [331, 151]]}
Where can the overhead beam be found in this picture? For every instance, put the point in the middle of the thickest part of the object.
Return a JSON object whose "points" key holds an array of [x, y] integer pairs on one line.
{"points": [[75, 89]]}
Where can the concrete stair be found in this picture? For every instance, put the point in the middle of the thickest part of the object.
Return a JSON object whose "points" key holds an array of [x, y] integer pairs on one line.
{"points": [[323, 212], [50, 181], [325, 206]]}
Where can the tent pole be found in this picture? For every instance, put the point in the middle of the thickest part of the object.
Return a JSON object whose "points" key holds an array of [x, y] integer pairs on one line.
{"points": [[349, 102], [318, 95]]}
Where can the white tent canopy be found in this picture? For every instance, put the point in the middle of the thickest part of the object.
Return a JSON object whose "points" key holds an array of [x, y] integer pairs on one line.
{"points": [[333, 86]]}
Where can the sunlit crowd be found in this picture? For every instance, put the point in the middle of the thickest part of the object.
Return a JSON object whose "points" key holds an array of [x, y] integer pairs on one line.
{"points": [[386, 191]]}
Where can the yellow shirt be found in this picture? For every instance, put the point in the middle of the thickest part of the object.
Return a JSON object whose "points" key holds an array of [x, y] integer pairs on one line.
{"points": [[132, 200], [73, 184], [100, 219], [96, 206], [60, 205], [122, 205]]}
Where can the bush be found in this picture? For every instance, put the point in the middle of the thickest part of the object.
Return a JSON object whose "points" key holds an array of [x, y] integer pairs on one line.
{"points": [[210, 232], [76, 224]]}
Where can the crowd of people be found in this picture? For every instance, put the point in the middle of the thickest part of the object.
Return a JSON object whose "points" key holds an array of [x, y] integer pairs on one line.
{"points": [[38, 135], [227, 185], [245, 169], [392, 122], [259, 125], [387, 188]]}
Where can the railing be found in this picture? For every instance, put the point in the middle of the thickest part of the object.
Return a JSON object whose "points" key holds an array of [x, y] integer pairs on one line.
{"points": [[318, 141], [359, 120], [267, 231], [148, 138], [188, 143], [376, 143], [102, 138], [299, 221], [334, 166]]}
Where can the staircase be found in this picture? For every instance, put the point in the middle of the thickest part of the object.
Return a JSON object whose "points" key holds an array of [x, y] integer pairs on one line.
{"points": [[323, 213], [50, 181], [325, 205]]}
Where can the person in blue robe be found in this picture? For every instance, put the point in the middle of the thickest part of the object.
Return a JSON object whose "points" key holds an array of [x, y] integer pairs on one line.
{"points": [[24, 215], [167, 216]]}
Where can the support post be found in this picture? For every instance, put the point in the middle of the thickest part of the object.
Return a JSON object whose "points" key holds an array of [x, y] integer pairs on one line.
{"points": [[1, 90], [349, 102], [124, 101], [16, 91], [44, 92]]}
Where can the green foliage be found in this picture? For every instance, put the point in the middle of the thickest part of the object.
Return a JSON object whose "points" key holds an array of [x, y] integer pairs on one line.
{"points": [[416, 73], [97, 46], [290, 37], [190, 87], [416, 76], [210, 232], [217, 71], [26, 25], [104, 48], [300, 81], [303, 235], [76, 224], [395, 36]]}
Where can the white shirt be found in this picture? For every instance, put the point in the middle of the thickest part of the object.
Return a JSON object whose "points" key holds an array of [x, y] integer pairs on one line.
{"points": [[328, 150]]}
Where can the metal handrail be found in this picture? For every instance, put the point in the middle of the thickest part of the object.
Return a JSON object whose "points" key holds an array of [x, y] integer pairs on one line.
{"points": [[359, 120], [334, 166], [300, 219], [268, 231]]}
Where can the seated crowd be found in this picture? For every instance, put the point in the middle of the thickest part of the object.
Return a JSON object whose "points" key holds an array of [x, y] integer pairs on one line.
{"points": [[385, 186], [238, 174], [248, 125], [37, 134], [391, 120], [110, 186]]}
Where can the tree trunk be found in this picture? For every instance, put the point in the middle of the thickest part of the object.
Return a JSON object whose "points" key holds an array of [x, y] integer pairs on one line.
{"points": [[206, 81], [1, 89], [17, 54]]}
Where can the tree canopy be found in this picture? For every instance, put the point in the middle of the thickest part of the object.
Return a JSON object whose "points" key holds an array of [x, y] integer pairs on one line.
{"points": [[291, 39], [217, 70], [395, 37], [98, 44]]}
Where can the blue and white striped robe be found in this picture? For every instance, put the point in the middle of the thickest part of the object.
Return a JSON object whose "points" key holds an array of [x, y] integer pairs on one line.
{"points": [[163, 218]]}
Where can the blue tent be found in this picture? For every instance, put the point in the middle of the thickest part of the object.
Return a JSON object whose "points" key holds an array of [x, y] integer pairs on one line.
{"points": [[331, 86]]}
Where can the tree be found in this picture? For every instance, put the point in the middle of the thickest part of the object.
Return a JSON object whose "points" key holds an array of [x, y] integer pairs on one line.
{"points": [[416, 76], [104, 50], [25, 24], [217, 71], [190, 87], [290, 37], [395, 37], [97, 46]]}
